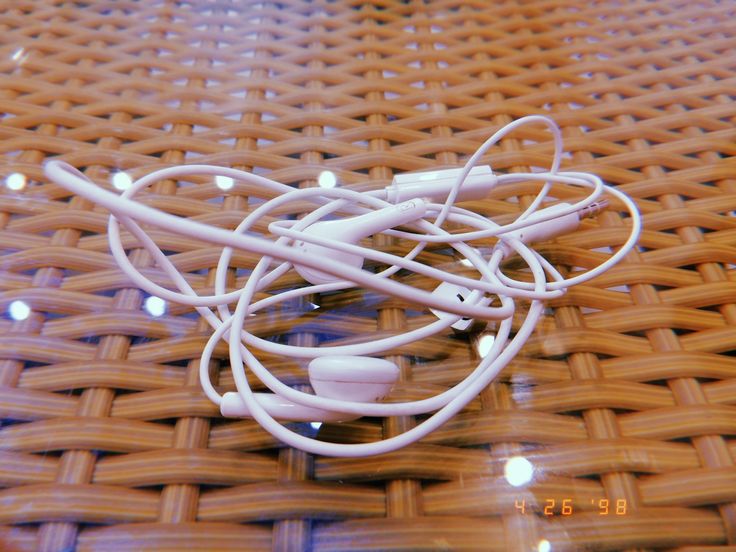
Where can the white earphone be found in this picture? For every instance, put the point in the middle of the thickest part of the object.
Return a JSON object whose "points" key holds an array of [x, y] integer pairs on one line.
{"points": [[348, 380], [351, 231]]}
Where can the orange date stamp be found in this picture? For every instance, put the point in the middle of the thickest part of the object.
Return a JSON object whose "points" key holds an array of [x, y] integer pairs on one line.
{"points": [[566, 507]]}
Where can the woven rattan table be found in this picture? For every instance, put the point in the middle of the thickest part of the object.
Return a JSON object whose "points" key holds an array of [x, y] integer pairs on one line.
{"points": [[624, 400]]}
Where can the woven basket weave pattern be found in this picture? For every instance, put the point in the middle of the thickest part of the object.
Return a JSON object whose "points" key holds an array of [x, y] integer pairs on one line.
{"points": [[626, 393]]}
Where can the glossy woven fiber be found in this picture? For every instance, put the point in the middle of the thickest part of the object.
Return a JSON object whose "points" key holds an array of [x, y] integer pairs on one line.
{"points": [[624, 401]]}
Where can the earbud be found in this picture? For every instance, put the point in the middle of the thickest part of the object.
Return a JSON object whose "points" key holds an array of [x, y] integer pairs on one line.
{"points": [[454, 293], [360, 379], [233, 406], [352, 230], [354, 378]]}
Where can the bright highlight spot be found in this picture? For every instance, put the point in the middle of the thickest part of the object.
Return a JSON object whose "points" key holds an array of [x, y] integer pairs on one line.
{"points": [[224, 182], [121, 180], [19, 56], [485, 343], [327, 179], [544, 546], [16, 181], [518, 471], [155, 306], [315, 425], [467, 262], [19, 310]]}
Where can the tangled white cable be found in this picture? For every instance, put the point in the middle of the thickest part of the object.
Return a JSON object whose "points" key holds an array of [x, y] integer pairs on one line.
{"points": [[327, 255]]}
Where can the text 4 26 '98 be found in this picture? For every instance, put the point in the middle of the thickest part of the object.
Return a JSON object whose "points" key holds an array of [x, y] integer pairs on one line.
{"points": [[565, 507]]}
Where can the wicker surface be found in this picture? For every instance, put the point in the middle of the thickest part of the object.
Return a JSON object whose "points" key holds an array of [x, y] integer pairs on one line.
{"points": [[626, 392]]}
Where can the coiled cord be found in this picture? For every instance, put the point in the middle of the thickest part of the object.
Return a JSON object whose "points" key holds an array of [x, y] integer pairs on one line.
{"points": [[279, 257]]}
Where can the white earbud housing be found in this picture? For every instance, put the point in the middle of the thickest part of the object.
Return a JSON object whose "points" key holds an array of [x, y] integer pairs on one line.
{"points": [[352, 230], [454, 293], [355, 378], [360, 379], [233, 406]]}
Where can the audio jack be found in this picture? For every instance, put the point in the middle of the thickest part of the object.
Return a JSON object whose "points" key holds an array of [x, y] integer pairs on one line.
{"points": [[593, 209]]}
